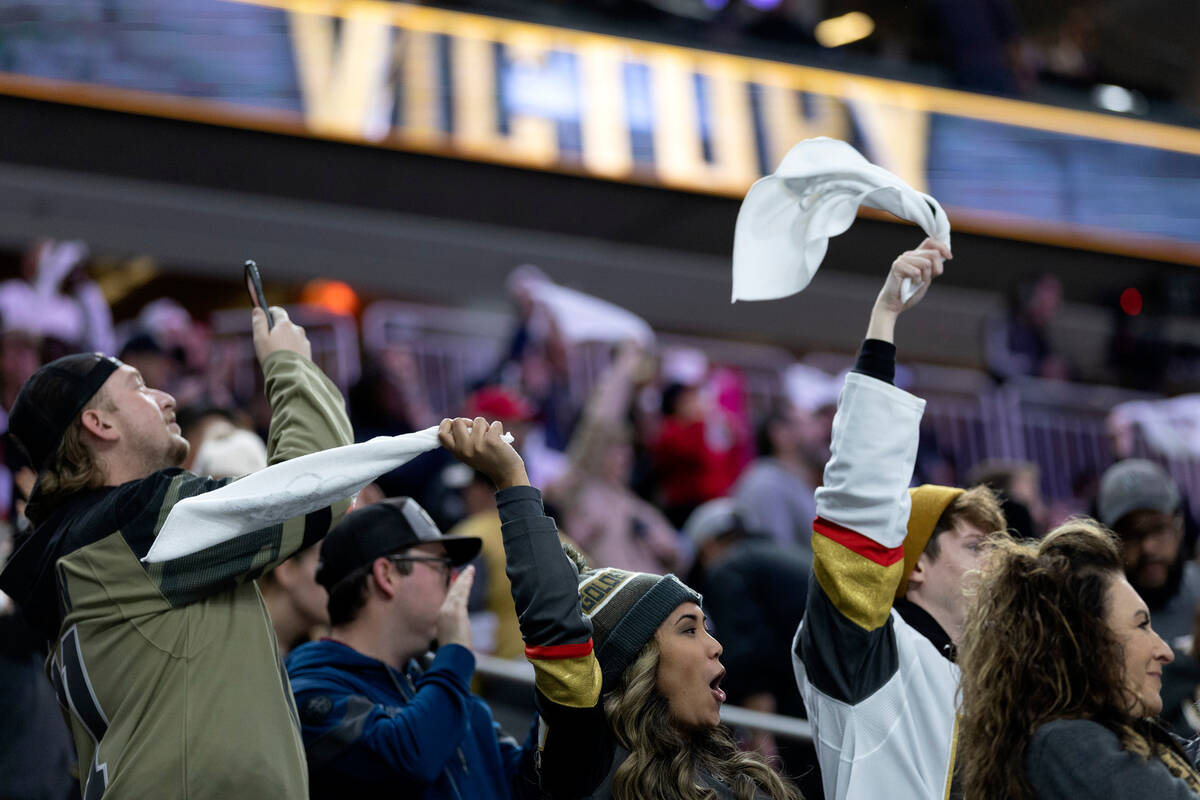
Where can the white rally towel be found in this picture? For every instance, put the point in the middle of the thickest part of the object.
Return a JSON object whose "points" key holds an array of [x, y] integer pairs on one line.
{"points": [[1171, 427], [582, 317], [282, 491], [787, 219]]}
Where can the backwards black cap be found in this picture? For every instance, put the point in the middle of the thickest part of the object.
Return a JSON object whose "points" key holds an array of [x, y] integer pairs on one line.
{"points": [[51, 400], [380, 529]]}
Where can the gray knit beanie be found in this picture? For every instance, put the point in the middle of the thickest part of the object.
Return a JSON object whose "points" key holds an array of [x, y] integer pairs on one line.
{"points": [[1135, 484], [625, 609]]}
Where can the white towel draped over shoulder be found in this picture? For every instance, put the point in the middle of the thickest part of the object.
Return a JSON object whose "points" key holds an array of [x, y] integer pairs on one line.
{"points": [[788, 218]]}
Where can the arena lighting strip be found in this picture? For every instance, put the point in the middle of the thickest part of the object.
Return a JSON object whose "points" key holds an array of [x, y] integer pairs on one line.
{"points": [[736, 716], [893, 118], [343, 96], [954, 102]]}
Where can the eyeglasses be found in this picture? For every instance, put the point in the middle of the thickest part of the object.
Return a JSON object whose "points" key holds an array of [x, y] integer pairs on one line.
{"points": [[440, 563], [1153, 529]]}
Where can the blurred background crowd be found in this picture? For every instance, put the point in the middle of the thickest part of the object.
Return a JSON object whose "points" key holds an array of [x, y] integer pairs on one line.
{"points": [[608, 412], [657, 451], [437, 276]]}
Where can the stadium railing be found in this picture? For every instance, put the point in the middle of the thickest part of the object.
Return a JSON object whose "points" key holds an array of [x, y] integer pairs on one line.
{"points": [[735, 716], [334, 340]]}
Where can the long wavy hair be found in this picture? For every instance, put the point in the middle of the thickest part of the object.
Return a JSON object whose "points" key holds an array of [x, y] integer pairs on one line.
{"points": [[666, 762], [72, 468], [1036, 648]]}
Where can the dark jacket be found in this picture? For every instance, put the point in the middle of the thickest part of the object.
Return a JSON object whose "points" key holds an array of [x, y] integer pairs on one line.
{"points": [[576, 745], [1181, 695], [38, 756], [755, 597], [578, 752], [371, 731], [1077, 759], [171, 669]]}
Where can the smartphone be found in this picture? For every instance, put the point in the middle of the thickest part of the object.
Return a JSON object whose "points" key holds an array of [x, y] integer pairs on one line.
{"points": [[254, 287]]}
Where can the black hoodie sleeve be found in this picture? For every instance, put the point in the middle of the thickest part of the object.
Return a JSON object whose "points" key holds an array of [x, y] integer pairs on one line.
{"points": [[574, 744], [877, 359]]}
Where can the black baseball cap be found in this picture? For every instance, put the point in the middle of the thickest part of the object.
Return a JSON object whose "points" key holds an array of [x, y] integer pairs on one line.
{"points": [[380, 529], [51, 400]]}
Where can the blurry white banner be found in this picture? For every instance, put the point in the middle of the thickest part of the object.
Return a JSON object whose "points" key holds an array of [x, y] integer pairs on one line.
{"points": [[582, 317], [1171, 427]]}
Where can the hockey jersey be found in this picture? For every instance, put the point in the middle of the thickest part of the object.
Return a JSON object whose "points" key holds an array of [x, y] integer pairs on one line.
{"points": [[879, 688]]}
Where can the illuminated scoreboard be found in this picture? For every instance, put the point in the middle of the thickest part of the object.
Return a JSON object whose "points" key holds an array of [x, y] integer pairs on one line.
{"points": [[429, 80]]}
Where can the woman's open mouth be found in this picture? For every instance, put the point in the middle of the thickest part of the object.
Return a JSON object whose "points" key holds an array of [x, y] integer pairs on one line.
{"points": [[715, 685]]}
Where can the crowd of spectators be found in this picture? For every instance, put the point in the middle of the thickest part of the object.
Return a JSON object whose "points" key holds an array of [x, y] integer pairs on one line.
{"points": [[659, 434], [662, 467]]}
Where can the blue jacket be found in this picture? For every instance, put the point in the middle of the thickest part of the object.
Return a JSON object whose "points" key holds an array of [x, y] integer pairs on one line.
{"points": [[369, 728]]}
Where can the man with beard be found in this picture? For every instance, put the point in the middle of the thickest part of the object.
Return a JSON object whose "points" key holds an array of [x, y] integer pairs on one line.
{"points": [[168, 672], [1140, 502]]}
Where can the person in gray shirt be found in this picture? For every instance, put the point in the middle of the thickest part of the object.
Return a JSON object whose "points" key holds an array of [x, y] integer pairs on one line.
{"points": [[1061, 678], [775, 494]]}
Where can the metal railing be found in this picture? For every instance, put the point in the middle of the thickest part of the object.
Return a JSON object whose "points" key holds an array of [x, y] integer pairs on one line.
{"points": [[452, 348], [333, 338], [787, 727]]}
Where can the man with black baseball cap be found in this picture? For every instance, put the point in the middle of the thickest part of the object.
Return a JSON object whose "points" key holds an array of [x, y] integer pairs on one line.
{"points": [[168, 666], [374, 720]]}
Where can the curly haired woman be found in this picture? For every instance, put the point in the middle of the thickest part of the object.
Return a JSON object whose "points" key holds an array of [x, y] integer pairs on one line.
{"points": [[1061, 673], [627, 676]]}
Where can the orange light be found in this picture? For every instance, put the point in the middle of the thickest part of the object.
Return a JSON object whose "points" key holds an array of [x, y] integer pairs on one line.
{"points": [[334, 296]]}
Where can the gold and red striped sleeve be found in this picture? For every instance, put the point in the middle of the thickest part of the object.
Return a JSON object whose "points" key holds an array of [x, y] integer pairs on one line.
{"points": [[567, 674], [858, 574]]}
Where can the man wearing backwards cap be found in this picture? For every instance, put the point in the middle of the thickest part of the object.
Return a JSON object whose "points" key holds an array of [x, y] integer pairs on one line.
{"points": [[874, 656], [373, 719], [170, 670]]}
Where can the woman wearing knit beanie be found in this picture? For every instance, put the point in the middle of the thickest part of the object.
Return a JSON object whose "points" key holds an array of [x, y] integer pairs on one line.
{"points": [[627, 675]]}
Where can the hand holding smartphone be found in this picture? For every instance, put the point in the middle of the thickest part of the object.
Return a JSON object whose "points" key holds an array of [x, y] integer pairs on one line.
{"points": [[254, 287]]}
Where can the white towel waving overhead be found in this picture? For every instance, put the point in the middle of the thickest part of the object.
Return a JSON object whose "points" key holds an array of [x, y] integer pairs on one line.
{"points": [[788, 218], [289, 489], [583, 317]]}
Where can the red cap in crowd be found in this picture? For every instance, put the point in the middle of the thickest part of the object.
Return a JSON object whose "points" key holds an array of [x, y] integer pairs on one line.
{"points": [[498, 402]]}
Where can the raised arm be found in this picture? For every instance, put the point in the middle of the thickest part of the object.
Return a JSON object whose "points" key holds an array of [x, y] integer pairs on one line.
{"points": [[602, 415], [844, 647], [921, 265], [558, 639], [206, 534], [308, 413]]}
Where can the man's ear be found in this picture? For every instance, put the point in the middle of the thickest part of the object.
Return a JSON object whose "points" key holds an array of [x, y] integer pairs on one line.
{"points": [[916, 578], [285, 574], [385, 577], [95, 422]]}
